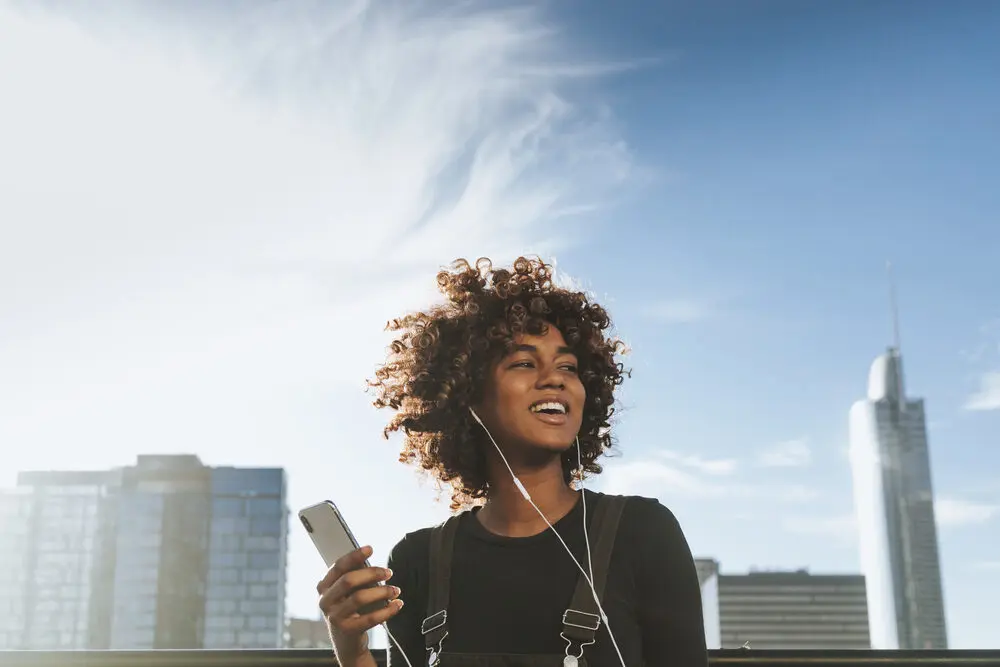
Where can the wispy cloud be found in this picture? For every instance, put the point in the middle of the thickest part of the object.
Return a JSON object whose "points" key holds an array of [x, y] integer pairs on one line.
{"points": [[984, 357], [788, 454], [679, 311], [956, 512], [700, 464], [212, 209], [988, 395], [841, 528], [693, 478]]}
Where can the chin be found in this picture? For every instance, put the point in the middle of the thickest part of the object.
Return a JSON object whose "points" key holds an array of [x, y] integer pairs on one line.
{"points": [[551, 444]]}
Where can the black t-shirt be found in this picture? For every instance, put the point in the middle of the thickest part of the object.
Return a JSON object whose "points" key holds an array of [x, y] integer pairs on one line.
{"points": [[508, 594]]}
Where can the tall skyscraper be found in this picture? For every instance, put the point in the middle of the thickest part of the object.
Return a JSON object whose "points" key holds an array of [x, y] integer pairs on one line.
{"points": [[894, 502], [168, 553], [783, 610]]}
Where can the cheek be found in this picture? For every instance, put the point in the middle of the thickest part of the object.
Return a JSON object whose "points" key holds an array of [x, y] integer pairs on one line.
{"points": [[578, 391]]}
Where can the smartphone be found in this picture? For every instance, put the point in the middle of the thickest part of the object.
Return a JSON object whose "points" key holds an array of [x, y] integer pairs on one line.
{"points": [[333, 539]]}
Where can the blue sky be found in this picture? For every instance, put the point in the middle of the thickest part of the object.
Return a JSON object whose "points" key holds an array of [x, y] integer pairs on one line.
{"points": [[799, 146], [216, 208]]}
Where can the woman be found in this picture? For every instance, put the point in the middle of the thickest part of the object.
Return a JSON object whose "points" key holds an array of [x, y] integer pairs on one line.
{"points": [[513, 378]]}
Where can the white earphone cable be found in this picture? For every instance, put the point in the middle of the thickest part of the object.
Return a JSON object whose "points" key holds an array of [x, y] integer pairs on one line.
{"points": [[385, 626], [527, 496]]}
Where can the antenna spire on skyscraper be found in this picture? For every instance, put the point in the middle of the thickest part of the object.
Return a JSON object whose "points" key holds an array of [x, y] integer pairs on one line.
{"points": [[893, 308]]}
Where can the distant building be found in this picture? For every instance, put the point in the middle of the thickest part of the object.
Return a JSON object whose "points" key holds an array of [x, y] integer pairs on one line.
{"points": [[783, 610], [308, 633], [708, 577], [56, 561], [168, 553], [312, 633], [894, 502]]}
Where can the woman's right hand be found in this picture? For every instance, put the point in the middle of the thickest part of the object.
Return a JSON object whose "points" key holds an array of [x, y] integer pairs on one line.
{"points": [[347, 587]]}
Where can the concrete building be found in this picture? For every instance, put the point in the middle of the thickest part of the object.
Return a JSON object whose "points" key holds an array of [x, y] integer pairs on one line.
{"points": [[793, 610], [782, 610]]}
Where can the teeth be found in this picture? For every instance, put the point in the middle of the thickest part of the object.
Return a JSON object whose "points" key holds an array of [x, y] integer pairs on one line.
{"points": [[550, 406]]}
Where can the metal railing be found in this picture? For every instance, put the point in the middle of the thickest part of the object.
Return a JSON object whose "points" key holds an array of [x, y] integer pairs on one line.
{"points": [[324, 658]]}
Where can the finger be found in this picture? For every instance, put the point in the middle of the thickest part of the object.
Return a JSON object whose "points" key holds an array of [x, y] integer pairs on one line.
{"points": [[364, 597], [359, 579], [344, 564], [359, 624], [351, 581]]}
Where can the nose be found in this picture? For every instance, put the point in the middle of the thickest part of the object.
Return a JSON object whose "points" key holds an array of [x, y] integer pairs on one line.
{"points": [[550, 378]]}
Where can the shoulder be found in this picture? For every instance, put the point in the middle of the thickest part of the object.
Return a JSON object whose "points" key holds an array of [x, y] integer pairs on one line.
{"points": [[411, 551], [646, 515], [414, 549], [651, 531]]}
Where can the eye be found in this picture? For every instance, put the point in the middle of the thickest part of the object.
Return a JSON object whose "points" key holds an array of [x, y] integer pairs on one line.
{"points": [[569, 368], [522, 364]]}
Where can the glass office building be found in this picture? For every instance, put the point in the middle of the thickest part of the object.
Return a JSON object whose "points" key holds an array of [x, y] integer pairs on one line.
{"points": [[53, 573], [163, 515], [168, 553], [894, 501], [245, 593]]}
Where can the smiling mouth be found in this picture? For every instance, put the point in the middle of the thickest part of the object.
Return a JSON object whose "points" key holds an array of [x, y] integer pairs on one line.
{"points": [[549, 408]]}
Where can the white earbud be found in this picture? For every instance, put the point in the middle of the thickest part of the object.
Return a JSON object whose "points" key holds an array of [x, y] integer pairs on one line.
{"points": [[517, 482]]}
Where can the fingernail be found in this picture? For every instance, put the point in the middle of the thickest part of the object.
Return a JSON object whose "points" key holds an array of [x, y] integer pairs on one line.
{"points": [[367, 551], [398, 602], [396, 591], [387, 573]]}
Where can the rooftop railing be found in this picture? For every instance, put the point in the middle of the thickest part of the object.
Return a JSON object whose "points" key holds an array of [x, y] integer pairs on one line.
{"points": [[324, 658]]}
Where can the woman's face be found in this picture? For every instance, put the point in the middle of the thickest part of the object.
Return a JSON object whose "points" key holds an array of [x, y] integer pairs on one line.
{"points": [[534, 397]]}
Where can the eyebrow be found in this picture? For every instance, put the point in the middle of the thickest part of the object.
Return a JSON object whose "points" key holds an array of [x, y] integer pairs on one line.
{"points": [[522, 347]]}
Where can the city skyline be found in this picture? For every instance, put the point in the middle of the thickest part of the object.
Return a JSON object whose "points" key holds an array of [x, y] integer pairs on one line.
{"points": [[170, 548]]}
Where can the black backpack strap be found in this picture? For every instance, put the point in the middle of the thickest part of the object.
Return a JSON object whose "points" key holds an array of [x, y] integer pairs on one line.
{"points": [[435, 625], [581, 621]]}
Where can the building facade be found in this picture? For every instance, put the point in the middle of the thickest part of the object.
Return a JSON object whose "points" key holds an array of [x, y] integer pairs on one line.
{"points": [[708, 579], [168, 553], [894, 502], [307, 633], [246, 563], [792, 611], [55, 561]]}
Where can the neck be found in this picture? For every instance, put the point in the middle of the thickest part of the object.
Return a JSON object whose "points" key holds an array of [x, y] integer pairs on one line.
{"points": [[506, 511]]}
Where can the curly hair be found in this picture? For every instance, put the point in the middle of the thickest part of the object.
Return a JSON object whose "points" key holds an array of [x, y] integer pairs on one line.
{"points": [[440, 362]]}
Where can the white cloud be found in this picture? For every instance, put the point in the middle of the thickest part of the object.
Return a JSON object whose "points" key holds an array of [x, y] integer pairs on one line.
{"points": [[655, 478], [787, 454], [692, 478], [955, 512], [699, 464], [563, 279], [842, 528], [679, 311], [210, 211], [988, 395]]}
